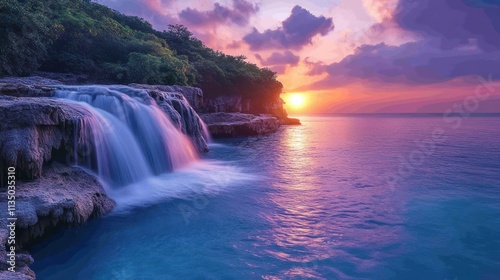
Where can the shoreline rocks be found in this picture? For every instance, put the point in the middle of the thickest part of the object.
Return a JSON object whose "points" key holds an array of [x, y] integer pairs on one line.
{"points": [[223, 125], [63, 196], [290, 121]]}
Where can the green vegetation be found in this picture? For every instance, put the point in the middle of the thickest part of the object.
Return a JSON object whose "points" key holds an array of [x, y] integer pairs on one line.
{"points": [[83, 37]]}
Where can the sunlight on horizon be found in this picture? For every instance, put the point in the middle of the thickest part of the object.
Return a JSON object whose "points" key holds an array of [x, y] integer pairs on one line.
{"points": [[295, 101]]}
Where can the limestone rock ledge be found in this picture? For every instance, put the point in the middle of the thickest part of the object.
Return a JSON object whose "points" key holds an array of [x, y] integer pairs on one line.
{"points": [[63, 197], [178, 102], [32, 129], [223, 125]]}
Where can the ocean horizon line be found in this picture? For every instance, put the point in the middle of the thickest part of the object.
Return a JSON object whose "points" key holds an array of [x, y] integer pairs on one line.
{"points": [[490, 114]]}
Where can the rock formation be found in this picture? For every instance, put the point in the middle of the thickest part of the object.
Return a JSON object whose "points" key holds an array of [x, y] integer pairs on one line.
{"points": [[178, 102], [63, 196], [33, 130], [37, 136], [238, 124], [237, 111]]}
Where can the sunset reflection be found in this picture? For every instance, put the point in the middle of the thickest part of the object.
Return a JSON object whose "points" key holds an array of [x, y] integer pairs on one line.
{"points": [[318, 178]]}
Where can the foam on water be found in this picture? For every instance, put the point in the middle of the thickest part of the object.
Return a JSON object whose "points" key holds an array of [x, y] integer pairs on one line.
{"points": [[199, 180]]}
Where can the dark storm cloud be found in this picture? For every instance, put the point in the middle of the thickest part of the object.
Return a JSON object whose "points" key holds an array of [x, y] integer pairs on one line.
{"points": [[239, 14], [296, 31], [457, 39], [277, 58]]}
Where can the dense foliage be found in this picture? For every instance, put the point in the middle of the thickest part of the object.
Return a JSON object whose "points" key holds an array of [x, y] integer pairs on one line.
{"points": [[83, 37]]}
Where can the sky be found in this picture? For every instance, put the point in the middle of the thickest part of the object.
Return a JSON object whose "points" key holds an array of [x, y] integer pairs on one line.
{"points": [[352, 56]]}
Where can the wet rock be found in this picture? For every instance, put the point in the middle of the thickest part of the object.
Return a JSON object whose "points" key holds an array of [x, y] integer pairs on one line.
{"points": [[25, 90], [193, 95], [32, 129], [63, 197], [177, 102], [30, 81], [239, 125]]}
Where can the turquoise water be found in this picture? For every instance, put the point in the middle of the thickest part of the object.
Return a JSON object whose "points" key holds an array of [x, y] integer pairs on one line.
{"points": [[317, 201]]}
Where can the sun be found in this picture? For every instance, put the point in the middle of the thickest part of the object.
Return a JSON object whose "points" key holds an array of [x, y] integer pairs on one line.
{"points": [[296, 100]]}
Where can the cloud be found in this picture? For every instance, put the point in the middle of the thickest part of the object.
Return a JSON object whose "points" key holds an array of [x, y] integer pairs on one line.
{"points": [[454, 22], [457, 39], [380, 9], [238, 14], [216, 27], [234, 45], [412, 63], [295, 32], [279, 69], [277, 58], [315, 68]]}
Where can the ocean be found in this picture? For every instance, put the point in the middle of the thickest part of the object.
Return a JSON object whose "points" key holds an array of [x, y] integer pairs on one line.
{"points": [[339, 197]]}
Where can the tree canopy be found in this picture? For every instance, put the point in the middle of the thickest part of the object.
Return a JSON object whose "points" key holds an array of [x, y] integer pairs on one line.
{"points": [[84, 37]]}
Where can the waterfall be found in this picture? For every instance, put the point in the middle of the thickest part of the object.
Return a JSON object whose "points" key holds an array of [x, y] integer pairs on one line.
{"points": [[126, 136], [206, 132]]}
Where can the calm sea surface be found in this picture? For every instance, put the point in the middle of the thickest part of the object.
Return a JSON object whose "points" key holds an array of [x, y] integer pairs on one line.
{"points": [[340, 197]]}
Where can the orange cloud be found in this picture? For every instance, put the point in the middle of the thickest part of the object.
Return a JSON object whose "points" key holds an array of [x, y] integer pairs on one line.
{"points": [[381, 10]]}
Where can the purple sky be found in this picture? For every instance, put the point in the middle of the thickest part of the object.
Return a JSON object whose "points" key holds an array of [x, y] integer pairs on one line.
{"points": [[351, 55]]}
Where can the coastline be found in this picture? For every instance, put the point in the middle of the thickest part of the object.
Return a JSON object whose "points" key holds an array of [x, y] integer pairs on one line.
{"points": [[52, 194]]}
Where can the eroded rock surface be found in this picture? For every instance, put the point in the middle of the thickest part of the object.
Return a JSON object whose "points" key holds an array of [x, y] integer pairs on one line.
{"points": [[63, 197], [193, 95], [31, 129], [239, 125], [37, 132]]}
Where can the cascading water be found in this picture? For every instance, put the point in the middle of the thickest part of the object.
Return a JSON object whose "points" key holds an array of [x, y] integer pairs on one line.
{"points": [[100, 146], [206, 132], [129, 137]]}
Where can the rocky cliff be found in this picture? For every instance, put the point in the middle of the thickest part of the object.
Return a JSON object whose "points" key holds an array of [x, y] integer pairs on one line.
{"points": [[37, 137], [229, 106], [240, 104], [36, 129]]}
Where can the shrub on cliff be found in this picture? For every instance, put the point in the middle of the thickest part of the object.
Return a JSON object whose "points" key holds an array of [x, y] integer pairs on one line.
{"points": [[150, 69]]}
